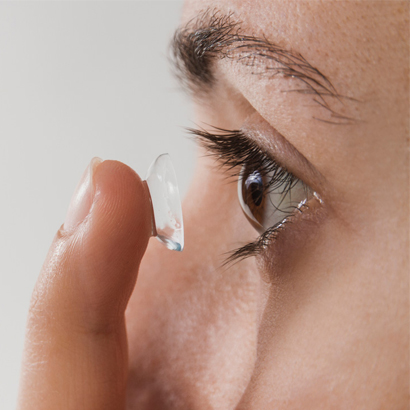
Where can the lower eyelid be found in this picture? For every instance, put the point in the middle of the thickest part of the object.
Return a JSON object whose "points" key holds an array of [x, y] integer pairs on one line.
{"points": [[293, 237], [280, 240]]}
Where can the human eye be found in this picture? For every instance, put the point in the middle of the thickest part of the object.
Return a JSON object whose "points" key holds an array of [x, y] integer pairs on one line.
{"points": [[270, 195]]}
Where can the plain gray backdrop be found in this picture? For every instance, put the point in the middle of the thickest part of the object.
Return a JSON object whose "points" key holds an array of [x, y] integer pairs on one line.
{"points": [[77, 80]]}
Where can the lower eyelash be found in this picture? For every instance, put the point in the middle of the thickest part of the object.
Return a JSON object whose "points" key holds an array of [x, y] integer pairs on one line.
{"points": [[253, 248], [262, 242]]}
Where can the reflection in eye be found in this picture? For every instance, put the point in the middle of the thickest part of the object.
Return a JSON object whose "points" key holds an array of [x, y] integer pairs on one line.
{"points": [[267, 199]]}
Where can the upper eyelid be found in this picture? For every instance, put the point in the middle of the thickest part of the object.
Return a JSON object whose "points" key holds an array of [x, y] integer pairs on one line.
{"points": [[253, 155], [302, 171], [223, 144], [271, 141]]}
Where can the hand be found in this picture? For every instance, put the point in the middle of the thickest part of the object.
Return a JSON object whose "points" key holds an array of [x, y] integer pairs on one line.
{"points": [[76, 344]]}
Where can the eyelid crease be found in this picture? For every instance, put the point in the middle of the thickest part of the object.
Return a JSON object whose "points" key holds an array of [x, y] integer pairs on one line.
{"points": [[261, 139], [257, 129]]}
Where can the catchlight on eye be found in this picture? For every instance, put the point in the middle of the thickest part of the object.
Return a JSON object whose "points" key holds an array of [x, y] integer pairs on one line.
{"points": [[268, 199], [167, 223]]}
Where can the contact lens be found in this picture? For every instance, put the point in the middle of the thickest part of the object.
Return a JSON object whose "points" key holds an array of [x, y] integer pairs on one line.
{"points": [[167, 220]]}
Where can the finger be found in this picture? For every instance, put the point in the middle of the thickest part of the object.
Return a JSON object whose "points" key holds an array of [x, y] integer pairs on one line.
{"points": [[76, 349]]}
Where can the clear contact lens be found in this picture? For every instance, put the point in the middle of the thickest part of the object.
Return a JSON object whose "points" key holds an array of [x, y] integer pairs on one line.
{"points": [[166, 204]]}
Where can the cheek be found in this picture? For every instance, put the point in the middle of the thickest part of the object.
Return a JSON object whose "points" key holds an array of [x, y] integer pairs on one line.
{"points": [[193, 324]]}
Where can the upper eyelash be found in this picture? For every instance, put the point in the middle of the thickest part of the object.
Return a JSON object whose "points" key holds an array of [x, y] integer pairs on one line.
{"points": [[233, 149]]}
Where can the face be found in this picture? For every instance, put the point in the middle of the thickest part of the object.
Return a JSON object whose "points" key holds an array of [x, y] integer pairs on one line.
{"points": [[306, 105]]}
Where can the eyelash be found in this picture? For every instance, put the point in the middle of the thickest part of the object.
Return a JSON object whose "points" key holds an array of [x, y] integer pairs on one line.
{"points": [[234, 150]]}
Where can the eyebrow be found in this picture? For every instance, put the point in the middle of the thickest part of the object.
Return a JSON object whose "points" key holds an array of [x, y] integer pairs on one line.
{"points": [[213, 36]]}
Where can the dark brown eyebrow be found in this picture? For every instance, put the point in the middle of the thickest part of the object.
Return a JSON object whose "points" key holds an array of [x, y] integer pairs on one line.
{"points": [[213, 35]]}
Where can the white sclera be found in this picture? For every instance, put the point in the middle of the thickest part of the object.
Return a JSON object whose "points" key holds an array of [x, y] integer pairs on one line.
{"points": [[163, 187]]}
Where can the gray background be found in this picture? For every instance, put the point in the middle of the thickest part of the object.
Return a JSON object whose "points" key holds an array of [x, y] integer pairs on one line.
{"points": [[77, 80]]}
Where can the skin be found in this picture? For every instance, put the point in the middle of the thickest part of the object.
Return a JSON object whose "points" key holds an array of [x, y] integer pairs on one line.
{"points": [[320, 318]]}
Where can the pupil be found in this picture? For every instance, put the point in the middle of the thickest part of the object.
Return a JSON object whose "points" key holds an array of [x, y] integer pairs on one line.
{"points": [[254, 186]]}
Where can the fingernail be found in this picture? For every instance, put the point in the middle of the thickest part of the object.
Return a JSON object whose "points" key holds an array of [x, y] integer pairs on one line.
{"points": [[82, 198]]}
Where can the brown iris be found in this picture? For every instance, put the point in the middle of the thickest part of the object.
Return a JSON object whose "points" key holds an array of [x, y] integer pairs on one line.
{"points": [[252, 196]]}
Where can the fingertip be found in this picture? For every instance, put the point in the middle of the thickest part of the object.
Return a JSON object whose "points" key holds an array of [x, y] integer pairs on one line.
{"points": [[115, 235], [122, 200]]}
